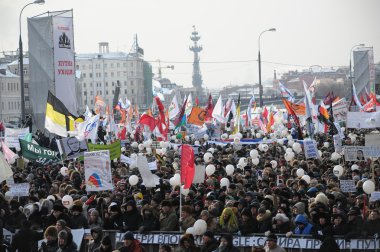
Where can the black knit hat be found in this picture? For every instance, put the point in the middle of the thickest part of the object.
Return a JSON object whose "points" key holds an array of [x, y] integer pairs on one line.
{"points": [[106, 240], [128, 236], [209, 234]]}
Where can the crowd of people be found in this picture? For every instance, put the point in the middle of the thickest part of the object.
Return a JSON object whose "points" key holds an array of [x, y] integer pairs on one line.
{"points": [[264, 198]]}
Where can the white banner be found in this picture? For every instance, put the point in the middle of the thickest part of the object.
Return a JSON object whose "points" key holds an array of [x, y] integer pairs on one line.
{"points": [[340, 109], [310, 148], [347, 186], [19, 190], [361, 153], [72, 148], [12, 136], [64, 64], [97, 171], [363, 120]]}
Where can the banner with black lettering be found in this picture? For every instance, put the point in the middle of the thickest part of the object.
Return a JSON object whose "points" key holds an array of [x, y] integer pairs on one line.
{"points": [[64, 64], [38, 154], [71, 147]]}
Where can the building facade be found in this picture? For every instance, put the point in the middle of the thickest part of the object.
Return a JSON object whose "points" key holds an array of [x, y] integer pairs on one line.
{"points": [[10, 102]]}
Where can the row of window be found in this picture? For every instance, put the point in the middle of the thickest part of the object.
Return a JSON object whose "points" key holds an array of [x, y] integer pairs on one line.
{"points": [[10, 86], [107, 101], [99, 84], [105, 65], [12, 105], [100, 92], [112, 74]]}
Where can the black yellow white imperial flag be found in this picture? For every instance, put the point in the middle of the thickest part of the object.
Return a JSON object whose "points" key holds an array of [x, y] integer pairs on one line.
{"points": [[58, 119]]}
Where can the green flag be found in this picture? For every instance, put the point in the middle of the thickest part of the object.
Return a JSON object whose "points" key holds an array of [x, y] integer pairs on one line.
{"points": [[114, 148], [38, 154]]}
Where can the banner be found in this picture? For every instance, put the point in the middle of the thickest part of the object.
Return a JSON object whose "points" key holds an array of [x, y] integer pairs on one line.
{"points": [[97, 171], [71, 147], [64, 64], [250, 241], [114, 148], [38, 154], [347, 186], [310, 148], [372, 139], [361, 153], [362, 120], [11, 137], [340, 109], [337, 143], [19, 190]]}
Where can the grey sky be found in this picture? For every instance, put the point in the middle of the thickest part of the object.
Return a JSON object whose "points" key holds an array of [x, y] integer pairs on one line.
{"points": [[309, 32]]}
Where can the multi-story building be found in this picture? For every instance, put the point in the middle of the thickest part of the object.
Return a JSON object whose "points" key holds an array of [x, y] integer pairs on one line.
{"points": [[100, 74], [10, 102]]}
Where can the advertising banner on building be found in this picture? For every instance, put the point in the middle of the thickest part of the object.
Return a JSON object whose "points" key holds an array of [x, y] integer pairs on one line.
{"points": [[64, 65], [97, 171]]}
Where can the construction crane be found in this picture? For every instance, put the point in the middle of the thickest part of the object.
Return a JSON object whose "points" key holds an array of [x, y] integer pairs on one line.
{"points": [[159, 69]]}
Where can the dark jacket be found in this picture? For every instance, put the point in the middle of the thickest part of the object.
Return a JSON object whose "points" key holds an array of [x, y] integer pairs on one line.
{"points": [[14, 221], [78, 221], [283, 228], [114, 222], [49, 246], [168, 221], [134, 247], [25, 240], [340, 229], [372, 227], [210, 246], [132, 220], [69, 245], [355, 228], [94, 244], [51, 220], [248, 227], [149, 223]]}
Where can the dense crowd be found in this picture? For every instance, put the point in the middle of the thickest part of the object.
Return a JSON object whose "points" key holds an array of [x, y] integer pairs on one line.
{"points": [[263, 198]]}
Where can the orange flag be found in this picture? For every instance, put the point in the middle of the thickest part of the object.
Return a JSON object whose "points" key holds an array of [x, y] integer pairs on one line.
{"points": [[197, 116]]}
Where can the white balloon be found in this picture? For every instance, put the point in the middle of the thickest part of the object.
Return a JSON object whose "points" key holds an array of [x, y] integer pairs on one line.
{"points": [[280, 141], [210, 169], [289, 137], [236, 140], [141, 147], [173, 138], [253, 153], [239, 135], [243, 161], [64, 171], [369, 187], [67, 201], [177, 179], [289, 156], [172, 181], [224, 182], [338, 171], [187, 138], [297, 147], [134, 145], [290, 142], [273, 163], [175, 147], [230, 169], [205, 137], [166, 144], [335, 156], [8, 195], [224, 136], [289, 150], [265, 147], [190, 230], [306, 178], [300, 172], [354, 167], [207, 157], [258, 135], [320, 153], [196, 142], [212, 150], [185, 191], [255, 161], [175, 165], [326, 144], [260, 147], [200, 227], [133, 180], [162, 144]]}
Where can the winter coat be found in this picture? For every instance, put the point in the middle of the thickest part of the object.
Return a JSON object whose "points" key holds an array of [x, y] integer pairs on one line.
{"points": [[69, 245], [114, 222], [188, 222], [321, 232], [14, 221], [132, 220], [149, 223], [372, 227], [49, 246], [25, 240], [282, 229], [51, 220], [340, 229], [355, 228], [168, 221], [264, 222], [210, 246], [79, 221], [134, 247], [248, 227], [308, 227], [94, 244]]}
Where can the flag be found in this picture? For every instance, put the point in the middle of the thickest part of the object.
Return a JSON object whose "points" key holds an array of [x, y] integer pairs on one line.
{"points": [[173, 108], [182, 122], [285, 92], [187, 166], [251, 103], [9, 155], [127, 103], [89, 129], [270, 121], [310, 128], [237, 117], [148, 121], [58, 119], [99, 104], [197, 116], [181, 113], [358, 103], [291, 112], [217, 112], [189, 105], [209, 108], [5, 169], [196, 101]]}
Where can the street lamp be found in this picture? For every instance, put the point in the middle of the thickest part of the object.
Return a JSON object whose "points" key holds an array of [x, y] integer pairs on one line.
{"points": [[260, 86], [21, 63], [352, 48]]}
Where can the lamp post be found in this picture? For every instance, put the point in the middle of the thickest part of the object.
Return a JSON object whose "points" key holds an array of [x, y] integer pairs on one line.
{"points": [[351, 81], [21, 63], [260, 86]]}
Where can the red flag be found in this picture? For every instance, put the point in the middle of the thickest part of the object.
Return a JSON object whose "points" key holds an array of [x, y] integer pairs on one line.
{"points": [[209, 108], [161, 110], [187, 166], [180, 114], [291, 111], [265, 113], [122, 133], [196, 101], [148, 121]]}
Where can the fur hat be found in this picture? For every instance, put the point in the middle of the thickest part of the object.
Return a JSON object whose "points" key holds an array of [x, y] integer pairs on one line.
{"points": [[166, 203], [281, 217], [76, 208], [322, 198]]}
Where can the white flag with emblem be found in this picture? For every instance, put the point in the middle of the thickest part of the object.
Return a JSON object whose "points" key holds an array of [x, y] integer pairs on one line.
{"points": [[173, 108]]}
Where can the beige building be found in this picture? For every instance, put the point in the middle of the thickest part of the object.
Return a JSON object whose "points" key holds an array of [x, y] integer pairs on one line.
{"points": [[10, 102]]}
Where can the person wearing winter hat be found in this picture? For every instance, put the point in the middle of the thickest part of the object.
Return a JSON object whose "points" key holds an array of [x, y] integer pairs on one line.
{"points": [[97, 235], [105, 245], [187, 220], [226, 244], [77, 219], [165, 248], [65, 242], [51, 244], [209, 242], [281, 224], [131, 244], [187, 244], [247, 224], [57, 214], [271, 244], [168, 217]]}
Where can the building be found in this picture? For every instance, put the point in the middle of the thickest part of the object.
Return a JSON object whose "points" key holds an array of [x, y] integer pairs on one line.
{"points": [[100, 73], [10, 102]]}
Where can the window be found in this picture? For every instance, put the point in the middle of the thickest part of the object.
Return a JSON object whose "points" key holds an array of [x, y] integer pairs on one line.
{"points": [[125, 91], [132, 83], [132, 91], [106, 84], [84, 75], [90, 84], [111, 65], [125, 83], [77, 67], [91, 93], [131, 73], [118, 65], [85, 93], [92, 102], [113, 91], [90, 75], [84, 84], [113, 84], [106, 92], [112, 74]]}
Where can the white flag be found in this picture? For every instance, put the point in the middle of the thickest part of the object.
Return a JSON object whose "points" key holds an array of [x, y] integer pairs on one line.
{"points": [[217, 113], [5, 169], [149, 179], [189, 105], [89, 129], [173, 108]]}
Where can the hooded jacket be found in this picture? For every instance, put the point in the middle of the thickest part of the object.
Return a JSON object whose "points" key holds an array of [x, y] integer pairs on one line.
{"points": [[94, 244], [308, 227]]}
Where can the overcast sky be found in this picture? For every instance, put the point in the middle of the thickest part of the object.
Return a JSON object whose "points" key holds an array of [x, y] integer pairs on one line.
{"points": [[309, 32]]}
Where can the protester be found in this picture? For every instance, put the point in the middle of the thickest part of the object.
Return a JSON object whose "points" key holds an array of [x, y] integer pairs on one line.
{"points": [[226, 244], [51, 244], [105, 245], [271, 244], [25, 240], [209, 242], [97, 235], [187, 244], [65, 242], [131, 244]]}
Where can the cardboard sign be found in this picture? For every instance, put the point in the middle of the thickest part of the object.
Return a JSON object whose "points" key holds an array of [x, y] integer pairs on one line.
{"points": [[347, 186], [20, 190], [310, 148]]}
